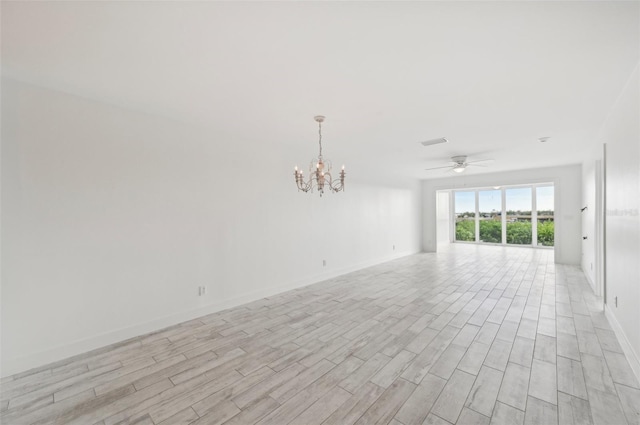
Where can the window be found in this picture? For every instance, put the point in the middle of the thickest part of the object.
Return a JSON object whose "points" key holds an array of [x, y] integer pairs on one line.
{"points": [[519, 209], [516, 215], [465, 211], [490, 216], [544, 208]]}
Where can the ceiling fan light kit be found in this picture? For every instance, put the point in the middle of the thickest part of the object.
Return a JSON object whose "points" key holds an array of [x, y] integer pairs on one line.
{"points": [[319, 171]]}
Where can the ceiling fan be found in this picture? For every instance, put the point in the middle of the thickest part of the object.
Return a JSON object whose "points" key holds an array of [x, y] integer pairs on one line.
{"points": [[459, 163]]}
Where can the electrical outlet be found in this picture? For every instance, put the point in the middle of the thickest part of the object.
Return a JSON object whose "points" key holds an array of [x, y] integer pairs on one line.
{"points": [[202, 290], [324, 263]]}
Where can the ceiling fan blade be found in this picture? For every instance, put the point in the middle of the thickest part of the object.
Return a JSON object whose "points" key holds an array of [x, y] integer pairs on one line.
{"points": [[480, 160], [476, 165], [437, 168]]}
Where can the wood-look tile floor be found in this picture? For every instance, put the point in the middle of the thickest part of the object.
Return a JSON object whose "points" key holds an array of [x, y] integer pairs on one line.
{"points": [[470, 335]]}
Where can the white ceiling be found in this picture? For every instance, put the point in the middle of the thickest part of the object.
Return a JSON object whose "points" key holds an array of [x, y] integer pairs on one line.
{"points": [[492, 77]]}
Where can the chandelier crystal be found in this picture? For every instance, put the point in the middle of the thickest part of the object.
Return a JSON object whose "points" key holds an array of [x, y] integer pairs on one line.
{"points": [[319, 171]]}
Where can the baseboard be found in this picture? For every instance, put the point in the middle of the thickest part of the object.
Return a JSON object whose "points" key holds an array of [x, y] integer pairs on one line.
{"points": [[629, 352], [63, 352]]}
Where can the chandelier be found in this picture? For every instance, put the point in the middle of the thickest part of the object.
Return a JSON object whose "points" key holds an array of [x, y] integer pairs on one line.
{"points": [[319, 171]]}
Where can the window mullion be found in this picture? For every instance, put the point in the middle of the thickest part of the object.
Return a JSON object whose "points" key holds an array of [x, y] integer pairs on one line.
{"points": [[504, 216], [477, 217], [534, 217]]}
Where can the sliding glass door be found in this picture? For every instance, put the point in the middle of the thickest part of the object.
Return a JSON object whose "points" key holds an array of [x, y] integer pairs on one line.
{"points": [[518, 205]]}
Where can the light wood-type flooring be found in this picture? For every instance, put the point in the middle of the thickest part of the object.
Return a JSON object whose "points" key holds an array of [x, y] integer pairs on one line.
{"points": [[470, 335]]}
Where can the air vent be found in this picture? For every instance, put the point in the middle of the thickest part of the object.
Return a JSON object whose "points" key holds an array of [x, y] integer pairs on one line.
{"points": [[434, 141]]}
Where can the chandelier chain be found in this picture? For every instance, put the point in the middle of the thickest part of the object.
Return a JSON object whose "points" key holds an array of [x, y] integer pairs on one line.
{"points": [[320, 139]]}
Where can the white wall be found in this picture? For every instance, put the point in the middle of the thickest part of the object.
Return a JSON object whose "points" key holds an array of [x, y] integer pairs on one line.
{"points": [[588, 220], [591, 219], [567, 203], [112, 218], [443, 217], [621, 133]]}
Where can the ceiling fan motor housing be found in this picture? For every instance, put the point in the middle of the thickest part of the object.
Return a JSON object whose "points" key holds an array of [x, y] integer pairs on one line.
{"points": [[460, 159]]}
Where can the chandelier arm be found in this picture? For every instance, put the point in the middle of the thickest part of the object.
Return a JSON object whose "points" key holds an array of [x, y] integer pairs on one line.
{"points": [[301, 184], [337, 187]]}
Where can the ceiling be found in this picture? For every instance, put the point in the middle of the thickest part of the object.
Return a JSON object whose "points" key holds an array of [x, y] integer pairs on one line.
{"points": [[492, 77]]}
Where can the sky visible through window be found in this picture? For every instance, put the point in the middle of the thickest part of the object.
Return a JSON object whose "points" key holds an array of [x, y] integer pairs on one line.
{"points": [[490, 201], [465, 202], [544, 198], [517, 199]]}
